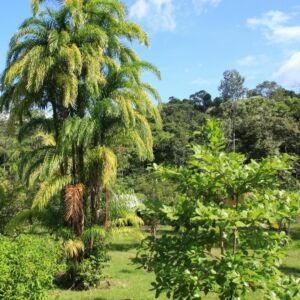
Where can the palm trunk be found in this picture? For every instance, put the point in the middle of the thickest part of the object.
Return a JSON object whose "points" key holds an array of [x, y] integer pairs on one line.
{"points": [[81, 164], [55, 121], [95, 211], [73, 163], [107, 202]]}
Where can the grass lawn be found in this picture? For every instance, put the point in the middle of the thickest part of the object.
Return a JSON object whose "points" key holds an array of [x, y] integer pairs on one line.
{"points": [[127, 282], [125, 279]]}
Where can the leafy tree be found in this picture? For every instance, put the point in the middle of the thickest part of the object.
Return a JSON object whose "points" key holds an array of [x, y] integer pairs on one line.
{"points": [[232, 88], [202, 100], [266, 89], [180, 120], [224, 240], [232, 85], [264, 126]]}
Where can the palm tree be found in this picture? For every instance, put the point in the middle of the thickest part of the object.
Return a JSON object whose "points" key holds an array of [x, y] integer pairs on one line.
{"points": [[75, 61]]}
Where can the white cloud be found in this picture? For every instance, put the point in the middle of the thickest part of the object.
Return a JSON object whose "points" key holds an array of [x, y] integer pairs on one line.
{"points": [[201, 5], [289, 73], [139, 9], [253, 60], [275, 27], [249, 60], [158, 14], [200, 81]]}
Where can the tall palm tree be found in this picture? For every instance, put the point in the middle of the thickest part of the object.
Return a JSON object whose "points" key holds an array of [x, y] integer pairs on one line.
{"points": [[76, 62]]}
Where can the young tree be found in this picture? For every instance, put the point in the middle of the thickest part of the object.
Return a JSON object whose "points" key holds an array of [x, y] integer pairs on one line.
{"points": [[224, 238]]}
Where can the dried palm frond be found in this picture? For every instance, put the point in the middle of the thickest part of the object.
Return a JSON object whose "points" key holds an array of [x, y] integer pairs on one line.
{"points": [[74, 206]]}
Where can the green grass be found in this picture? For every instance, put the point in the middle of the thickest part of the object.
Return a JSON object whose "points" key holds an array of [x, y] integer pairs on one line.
{"points": [[124, 279], [291, 263], [127, 282]]}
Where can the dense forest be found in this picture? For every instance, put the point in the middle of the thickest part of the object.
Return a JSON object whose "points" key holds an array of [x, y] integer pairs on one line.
{"points": [[90, 154]]}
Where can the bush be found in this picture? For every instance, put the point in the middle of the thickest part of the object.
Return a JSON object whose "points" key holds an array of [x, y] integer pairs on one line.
{"points": [[28, 265], [90, 270], [84, 267]]}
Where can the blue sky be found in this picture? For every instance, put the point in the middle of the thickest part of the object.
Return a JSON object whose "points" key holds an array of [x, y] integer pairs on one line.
{"points": [[194, 41]]}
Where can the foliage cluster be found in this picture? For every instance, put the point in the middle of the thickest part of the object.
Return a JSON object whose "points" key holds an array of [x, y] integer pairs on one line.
{"points": [[228, 226], [28, 266], [83, 272]]}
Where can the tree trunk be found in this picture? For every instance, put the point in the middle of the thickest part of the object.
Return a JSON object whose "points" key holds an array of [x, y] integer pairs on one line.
{"points": [[107, 200], [153, 230], [222, 246], [234, 126], [95, 211], [73, 163], [55, 120], [95, 201], [81, 164]]}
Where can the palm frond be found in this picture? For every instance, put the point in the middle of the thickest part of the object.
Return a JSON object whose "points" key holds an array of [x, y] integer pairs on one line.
{"points": [[49, 189], [69, 84], [106, 163], [78, 131], [93, 232], [35, 6], [130, 219], [73, 248], [26, 216], [46, 139], [34, 124], [109, 6]]}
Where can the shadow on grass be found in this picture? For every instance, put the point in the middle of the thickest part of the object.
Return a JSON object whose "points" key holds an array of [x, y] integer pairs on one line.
{"points": [[137, 261], [125, 271], [123, 247], [295, 234], [290, 270]]}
